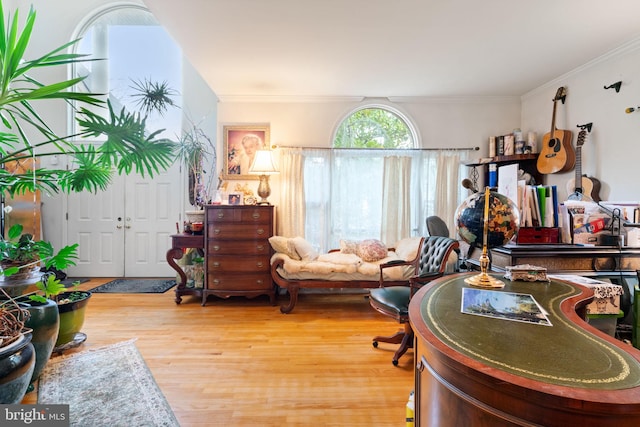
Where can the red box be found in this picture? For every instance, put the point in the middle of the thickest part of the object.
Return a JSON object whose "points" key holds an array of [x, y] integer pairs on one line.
{"points": [[539, 235]]}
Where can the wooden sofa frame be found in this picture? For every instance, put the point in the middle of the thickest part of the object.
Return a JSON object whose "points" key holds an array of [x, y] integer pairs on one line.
{"points": [[293, 286]]}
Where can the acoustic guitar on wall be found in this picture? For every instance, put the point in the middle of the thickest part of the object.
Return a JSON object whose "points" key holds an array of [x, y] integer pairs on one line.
{"points": [[556, 154], [582, 187]]}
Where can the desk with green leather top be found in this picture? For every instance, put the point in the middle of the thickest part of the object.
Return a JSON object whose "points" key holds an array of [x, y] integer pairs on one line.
{"points": [[484, 371]]}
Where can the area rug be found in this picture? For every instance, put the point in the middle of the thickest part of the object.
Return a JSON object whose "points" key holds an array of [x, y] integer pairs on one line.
{"points": [[109, 386], [136, 286]]}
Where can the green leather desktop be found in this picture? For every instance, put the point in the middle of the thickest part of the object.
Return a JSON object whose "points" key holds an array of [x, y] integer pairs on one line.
{"points": [[479, 370]]}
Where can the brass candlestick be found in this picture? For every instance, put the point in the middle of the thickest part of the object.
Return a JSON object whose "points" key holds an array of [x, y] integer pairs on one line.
{"points": [[483, 280]]}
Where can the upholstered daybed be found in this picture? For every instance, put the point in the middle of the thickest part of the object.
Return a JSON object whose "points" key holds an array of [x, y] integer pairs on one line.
{"points": [[296, 265]]}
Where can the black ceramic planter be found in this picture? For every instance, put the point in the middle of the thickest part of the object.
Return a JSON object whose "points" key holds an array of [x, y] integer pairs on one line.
{"points": [[45, 322], [17, 361]]}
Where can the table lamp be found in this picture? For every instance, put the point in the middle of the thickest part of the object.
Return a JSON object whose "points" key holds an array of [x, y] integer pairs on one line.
{"points": [[263, 165]]}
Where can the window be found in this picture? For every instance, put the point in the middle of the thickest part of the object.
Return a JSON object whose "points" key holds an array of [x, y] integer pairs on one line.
{"points": [[375, 127], [375, 183], [132, 47]]}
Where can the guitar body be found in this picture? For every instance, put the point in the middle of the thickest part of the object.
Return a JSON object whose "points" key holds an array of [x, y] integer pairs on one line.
{"points": [[557, 153], [589, 188]]}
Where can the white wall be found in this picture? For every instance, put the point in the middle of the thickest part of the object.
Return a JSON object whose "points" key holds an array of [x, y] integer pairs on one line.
{"points": [[441, 122], [612, 150]]}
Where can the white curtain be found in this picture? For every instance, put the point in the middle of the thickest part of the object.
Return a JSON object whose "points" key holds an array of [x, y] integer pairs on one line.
{"points": [[396, 199], [291, 211], [362, 194], [448, 185]]}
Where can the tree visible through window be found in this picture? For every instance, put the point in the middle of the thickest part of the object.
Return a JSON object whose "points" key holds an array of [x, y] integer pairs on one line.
{"points": [[374, 127]]}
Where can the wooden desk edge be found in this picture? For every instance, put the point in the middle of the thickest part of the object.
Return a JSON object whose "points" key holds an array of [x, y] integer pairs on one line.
{"points": [[555, 394]]}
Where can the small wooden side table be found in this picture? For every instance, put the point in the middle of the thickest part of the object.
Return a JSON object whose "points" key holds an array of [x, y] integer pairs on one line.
{"points": [[179, 242]]}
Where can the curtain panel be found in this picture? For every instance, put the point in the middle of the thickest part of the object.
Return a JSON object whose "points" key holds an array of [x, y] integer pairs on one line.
{"points": [[329, 195]]}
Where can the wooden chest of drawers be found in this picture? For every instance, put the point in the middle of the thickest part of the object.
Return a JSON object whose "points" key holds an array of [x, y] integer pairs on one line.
{"points": [[237, 251]]}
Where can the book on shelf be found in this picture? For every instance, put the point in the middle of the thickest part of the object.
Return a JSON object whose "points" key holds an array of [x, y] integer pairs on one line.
{"points": [[539, 207]]}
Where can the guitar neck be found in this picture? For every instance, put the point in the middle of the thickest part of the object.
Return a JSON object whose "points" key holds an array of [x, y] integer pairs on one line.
{"points": [[578, 165], [553, 118]]}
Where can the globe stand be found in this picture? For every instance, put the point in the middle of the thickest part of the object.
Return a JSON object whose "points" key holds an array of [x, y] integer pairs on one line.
{"points": [[483, 280]]}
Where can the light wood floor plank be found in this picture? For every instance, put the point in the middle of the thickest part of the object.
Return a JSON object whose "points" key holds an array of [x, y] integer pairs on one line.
{"points": [[240, 362]]}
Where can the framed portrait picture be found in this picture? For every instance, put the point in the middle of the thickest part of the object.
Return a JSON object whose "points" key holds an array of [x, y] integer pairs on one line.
{"points": [[240, 143], [235, 198]]}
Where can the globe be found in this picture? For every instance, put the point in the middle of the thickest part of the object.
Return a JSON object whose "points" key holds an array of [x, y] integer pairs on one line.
{"points": [[503, 224]]}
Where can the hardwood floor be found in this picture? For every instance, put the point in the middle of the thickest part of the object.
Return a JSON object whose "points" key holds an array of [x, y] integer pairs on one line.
{"points": [[240, 362]]}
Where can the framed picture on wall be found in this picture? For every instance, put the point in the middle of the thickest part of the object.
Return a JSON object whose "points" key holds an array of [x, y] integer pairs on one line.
{"points": [[240, 143]]}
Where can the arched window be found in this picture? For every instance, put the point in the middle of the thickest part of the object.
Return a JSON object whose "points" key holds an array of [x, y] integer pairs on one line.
{"points": [[375, 126], [376, 182], [132, 51]]}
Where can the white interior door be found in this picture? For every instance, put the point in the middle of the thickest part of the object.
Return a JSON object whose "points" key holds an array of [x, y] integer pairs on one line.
{"points": [[124, 231], [152, 210]]}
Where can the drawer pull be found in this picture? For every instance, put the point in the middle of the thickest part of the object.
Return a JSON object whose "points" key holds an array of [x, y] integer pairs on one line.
{"points": [[260, 247], [216, 248], [215, 264], [260, 231], [220, 215], [255, 215], [216, 231], [259, 282], [260, 264], [216, 281]]}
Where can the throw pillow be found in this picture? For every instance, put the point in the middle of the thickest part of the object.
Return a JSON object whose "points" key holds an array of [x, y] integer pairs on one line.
{"points": [[371, 250], [304, 249], [348, 246], [284, 245], [407, 249]]}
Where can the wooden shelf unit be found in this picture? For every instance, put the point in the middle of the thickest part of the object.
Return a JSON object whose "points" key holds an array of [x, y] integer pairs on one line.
{"points": [[526, 162]]}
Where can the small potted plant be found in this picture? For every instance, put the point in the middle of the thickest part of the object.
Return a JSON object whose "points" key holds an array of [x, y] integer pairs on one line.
{"points": [[22, 257]]}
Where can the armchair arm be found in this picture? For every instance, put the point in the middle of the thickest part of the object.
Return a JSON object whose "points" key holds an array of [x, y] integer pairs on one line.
{"points": [[392, 263], [416, 282]]}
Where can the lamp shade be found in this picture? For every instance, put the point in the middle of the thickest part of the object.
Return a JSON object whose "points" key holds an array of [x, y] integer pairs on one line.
{"points": [[263, 163]]}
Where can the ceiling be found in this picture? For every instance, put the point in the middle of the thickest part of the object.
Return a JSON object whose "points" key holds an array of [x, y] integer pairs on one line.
{"points": [[392, 48]]}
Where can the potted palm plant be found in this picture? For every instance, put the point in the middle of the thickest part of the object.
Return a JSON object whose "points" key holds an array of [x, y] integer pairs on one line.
{"points": [[127, 148]]}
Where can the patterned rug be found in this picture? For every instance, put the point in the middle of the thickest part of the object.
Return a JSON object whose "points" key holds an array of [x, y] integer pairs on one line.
{"points": [[136, 286], [109, 386]]}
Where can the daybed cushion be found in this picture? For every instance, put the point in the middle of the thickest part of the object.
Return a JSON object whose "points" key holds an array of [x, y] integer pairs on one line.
{"points": [[407, 249], [284, 245], [304, 249]]}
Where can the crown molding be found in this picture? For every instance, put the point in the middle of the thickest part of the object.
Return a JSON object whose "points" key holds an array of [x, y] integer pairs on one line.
{"points": [[622, 50]]}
